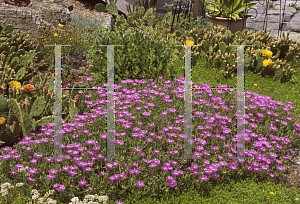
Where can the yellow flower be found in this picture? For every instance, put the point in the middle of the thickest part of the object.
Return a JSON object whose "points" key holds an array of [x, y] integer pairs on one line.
{"points": [[267, 62], [267, 53], [271, 193], [60, 25], [16, 84], [255, 84], [189, 42], [55, 34]]}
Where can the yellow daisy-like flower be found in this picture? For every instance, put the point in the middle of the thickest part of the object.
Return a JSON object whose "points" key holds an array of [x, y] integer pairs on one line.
{"points": [[16, 84], [55, 34], [255, 84], [60, 25], [267, 53], [189, 42], [271, 193], [267, 62]]}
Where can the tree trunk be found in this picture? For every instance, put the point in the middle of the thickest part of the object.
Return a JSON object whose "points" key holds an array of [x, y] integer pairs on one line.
{"points": [[198, 8]]}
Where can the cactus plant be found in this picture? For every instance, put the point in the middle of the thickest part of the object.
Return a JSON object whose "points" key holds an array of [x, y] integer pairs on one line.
{"points": [[22, 122], [100, 7], [110, 7], [17, 56], [19, 122], [38, 107]]}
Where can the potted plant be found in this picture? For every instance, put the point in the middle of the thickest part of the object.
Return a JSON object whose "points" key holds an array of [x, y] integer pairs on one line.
{"points": [[228, 14]]}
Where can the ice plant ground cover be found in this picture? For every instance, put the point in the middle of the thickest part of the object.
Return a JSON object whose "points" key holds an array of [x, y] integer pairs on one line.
{"points": [[149, 124], [150, 137]]}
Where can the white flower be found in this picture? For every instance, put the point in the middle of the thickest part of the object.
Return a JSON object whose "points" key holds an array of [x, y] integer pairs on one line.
{"points": [[19, 184]]}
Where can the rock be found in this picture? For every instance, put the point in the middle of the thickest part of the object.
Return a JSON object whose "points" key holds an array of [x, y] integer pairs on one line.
{"points": [[294, 24], [77, 60], [42, 14], [287, 14], [259, 8], [80, 64], [35, 18], [258, 22], [121, 5]]}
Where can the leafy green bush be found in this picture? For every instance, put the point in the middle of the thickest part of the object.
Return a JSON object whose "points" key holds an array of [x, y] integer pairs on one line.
{"points": [[144, 55]]}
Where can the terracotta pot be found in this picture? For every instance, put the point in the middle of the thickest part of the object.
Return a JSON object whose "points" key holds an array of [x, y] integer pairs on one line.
{"points": [[233, 26]]}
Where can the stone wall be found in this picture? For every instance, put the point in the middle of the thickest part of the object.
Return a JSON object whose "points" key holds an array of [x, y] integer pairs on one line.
{"points": [[43, 14], [35, 18]]}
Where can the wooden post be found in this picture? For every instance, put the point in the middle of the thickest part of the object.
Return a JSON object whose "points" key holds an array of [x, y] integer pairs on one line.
{"points": [[198, 8]]}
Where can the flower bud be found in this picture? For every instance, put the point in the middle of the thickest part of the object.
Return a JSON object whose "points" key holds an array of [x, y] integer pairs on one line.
{"points": [[45, 89], [2, 120], [14, 89], [27, 102]]}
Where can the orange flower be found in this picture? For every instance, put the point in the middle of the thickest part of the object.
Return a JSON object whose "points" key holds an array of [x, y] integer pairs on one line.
{"points": [[2, 120], [28, 88]]}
